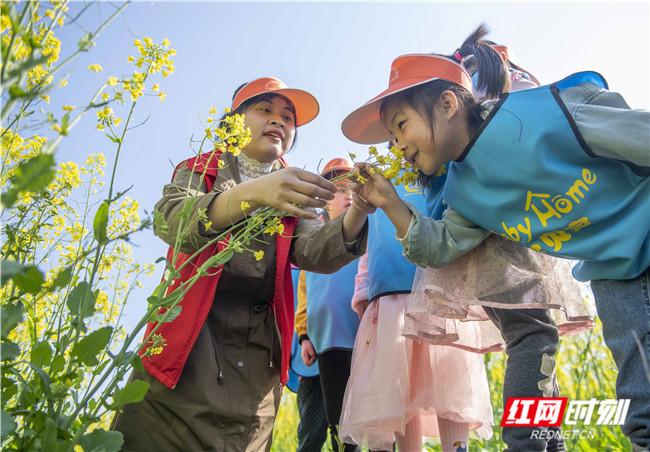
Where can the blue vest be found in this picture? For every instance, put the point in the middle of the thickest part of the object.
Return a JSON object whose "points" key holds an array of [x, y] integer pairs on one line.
{"points": [[331, 322], [297, 366], [388, 270], [529, 176]]}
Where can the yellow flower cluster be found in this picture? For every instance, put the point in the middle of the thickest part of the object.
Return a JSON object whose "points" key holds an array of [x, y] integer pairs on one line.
{"points": [[155, 345], [125, 218], [153, 58], [156, 56], [40, 41], [274, 226], [106, 118], [393, 166], [230, 134]]}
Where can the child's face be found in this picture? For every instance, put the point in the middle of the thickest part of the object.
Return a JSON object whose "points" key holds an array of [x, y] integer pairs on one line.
{"points": [[342, 199], [426, 146], [273, 128]]}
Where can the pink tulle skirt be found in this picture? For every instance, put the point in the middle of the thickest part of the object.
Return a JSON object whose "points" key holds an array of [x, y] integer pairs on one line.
{"points": [[393, 379], [446, 304]]}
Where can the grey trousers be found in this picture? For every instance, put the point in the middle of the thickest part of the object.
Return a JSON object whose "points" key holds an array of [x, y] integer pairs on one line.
{"points": [[532, 341]]}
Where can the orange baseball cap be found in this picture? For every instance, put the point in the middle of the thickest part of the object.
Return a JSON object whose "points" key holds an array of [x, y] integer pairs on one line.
{"points": [[337, 164], [306, 105], [364, 124]]}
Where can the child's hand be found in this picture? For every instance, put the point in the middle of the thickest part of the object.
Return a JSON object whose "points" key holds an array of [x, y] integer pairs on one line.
{"points": [[307, 352], [361, 205], [360, 307], [292, 190], [377, 190]]}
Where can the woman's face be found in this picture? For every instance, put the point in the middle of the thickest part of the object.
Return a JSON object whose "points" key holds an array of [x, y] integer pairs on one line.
{"points": [[273, 128], [426, 146]]}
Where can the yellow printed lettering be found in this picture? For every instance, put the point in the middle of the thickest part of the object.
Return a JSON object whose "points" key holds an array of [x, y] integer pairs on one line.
{"points": [[526, 229], [578, 224], [554, 239], [511, 232], [588, 176], [576, 190], [562, 205]]}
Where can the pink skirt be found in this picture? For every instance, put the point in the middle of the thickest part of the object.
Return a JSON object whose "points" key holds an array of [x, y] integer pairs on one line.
{"points": [[393, 379], [446, 304]]}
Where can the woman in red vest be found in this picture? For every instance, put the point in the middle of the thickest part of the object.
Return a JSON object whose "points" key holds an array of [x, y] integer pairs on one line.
{"points": [[217, 383]]}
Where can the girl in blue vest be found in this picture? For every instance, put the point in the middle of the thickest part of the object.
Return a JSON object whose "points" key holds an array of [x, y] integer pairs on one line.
{"points": [[401, 389], [561, 169], [331, 322]]}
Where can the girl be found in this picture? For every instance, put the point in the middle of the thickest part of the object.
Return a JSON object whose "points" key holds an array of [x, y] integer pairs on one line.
{"points": [[217, 383], [429, 312], [561, 169], [400, 389], [331, 323]]}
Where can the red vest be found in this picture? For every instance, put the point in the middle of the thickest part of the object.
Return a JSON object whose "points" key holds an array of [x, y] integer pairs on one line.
{"points": [[182, 332]]}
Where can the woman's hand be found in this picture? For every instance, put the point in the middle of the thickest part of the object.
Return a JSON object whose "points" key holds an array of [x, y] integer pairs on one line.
{"points": [[307, 352], [377, 190], [292, 190]]}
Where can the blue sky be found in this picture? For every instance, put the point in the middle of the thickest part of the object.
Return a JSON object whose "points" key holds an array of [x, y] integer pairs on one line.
{"points": [[341, 52]]}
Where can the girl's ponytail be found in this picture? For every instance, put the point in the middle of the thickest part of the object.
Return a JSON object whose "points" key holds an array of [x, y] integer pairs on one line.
{"points": [[489, 71]]}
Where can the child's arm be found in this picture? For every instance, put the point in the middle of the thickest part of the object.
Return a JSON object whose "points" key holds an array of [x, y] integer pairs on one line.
{"points": [[361, 283], [427, 242], [301, 310], [609, 127]]}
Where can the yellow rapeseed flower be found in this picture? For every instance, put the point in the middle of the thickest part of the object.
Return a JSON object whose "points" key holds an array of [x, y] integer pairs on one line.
{"points": [[259, 255], [63, 83], [166, 43], [112, 81], [244, 206], [95, 67], [68, 107], [155, 87], [213, 111]]}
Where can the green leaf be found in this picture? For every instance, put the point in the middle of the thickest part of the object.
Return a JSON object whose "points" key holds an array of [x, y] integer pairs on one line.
{"points": [[41, 354], [10, 350], [65, 122], [58, 363], [167, 316], [8, 424], [63, 278], [101, 222], [136, 362], [81, 300], [10, 269], [45, 379], [30, 280], [10, 316], [49, 435], [30, 176], [133, 392], [102, 441], [90, 346]]}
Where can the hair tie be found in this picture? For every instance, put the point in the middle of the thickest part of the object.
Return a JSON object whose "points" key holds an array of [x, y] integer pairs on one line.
{"points": [[458, 56]]}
